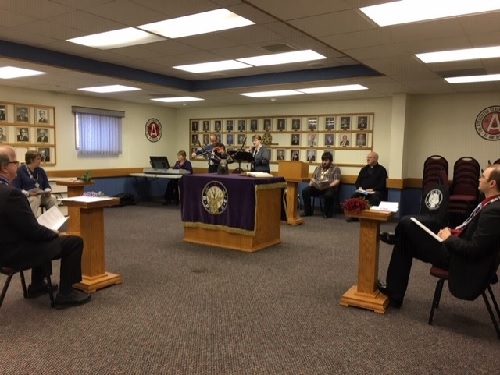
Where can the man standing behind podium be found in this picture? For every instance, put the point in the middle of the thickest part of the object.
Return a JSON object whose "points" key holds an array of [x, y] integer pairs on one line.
{"points": [[26, 244], [325, 182], [261, 155], [211, 151]]}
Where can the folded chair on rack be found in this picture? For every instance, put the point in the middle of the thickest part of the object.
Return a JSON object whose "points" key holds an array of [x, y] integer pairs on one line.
{"points": [[467, 281]]}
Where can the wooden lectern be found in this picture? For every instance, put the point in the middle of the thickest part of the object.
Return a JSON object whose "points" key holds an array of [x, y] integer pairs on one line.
{"points": [[293, 172], [75, 189], [365, 294]]}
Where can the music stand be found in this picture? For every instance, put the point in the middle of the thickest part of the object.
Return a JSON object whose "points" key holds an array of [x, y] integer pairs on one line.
{"points": [[239, 156]]}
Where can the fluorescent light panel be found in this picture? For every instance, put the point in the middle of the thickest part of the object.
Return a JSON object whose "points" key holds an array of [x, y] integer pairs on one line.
{"points": [[9, 72], [321, 90], [408, 11], [270, 94], [460, 54], [282, 58], [471, 79], [111, 88], [116, 38], [178, 99], [216, 66], [196, 24]]}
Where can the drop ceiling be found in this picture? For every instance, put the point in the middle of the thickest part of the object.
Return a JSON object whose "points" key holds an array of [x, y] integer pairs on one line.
{"points": [[33, 35]]}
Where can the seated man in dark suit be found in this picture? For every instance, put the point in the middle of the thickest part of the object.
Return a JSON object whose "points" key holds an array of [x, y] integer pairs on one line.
{"points": [[26, 244], [475, 241]]}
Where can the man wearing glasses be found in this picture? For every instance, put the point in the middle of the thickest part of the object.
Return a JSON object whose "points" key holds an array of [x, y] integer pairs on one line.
{"points": [[25, 244]]}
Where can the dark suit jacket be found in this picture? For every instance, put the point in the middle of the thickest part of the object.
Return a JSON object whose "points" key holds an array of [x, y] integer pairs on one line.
{"points": [[18, 225], [261, 163], [22, 138], [473, 253], [42, 139]]}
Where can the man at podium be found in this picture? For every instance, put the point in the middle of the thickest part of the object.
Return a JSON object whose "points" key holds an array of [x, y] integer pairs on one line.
{"points": [[325, 182]]}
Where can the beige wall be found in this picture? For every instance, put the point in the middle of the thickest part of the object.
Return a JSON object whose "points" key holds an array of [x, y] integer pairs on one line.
{"points": [[407, 129]]}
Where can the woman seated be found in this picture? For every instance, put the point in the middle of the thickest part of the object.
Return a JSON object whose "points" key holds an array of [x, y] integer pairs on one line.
{"points": [[172, 192]]}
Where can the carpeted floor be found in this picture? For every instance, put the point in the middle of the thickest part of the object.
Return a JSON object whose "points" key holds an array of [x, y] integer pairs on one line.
{"points": [[189, 309]]}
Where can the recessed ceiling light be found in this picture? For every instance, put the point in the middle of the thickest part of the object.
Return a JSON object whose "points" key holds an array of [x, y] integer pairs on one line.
{"points": [[177, 99], [9, 72], [407, 11], [460, 54], [116, 38], [111, 88], [195, 24], [471, 79], [267, 94], [282, 58], [215, 66], [320, 90]]}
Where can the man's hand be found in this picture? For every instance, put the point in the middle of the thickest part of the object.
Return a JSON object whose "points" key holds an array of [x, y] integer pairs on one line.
{"points": [[444, 233], [193, 155]]}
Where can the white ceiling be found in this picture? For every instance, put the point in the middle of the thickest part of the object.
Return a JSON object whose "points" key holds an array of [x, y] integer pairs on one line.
{"points": [[33, 34]]}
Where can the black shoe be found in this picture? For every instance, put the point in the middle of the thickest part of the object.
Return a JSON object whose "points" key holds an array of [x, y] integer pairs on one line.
{"points": [[382, 288], [388, 237], [351, 219], [74, 298], [304, 214], [35, 291]]}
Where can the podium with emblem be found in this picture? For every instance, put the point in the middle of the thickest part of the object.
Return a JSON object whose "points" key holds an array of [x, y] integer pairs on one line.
{"points": [[232, 211]]}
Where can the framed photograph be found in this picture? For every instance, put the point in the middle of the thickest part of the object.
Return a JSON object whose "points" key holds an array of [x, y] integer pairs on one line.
{"points": [[345, 122], [45, 154], [362, 122], [22, 114], [42, 135], [230, 139], [311, 155], [280, 154], [3, 112], [329, 123], [280, 124], [241, 139], [267, 125], [361, 140], [296, 124], [311, 140], [218, 125], [22, 135], [206, 126], [229, 125], [194, 126], [253, 124], [329, 139], [195, 140], [42, 116], [294, 155], [344, 140], [295, 139], [312, 123], [218, 136], [3, 135], [242, 126], [206, 139]]}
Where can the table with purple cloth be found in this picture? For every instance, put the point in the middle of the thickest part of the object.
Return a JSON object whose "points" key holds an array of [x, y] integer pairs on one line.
{"points": [[232, 211]]}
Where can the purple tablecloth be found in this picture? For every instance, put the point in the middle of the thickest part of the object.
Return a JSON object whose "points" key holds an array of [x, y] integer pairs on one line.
{"points": [[222, 200]]}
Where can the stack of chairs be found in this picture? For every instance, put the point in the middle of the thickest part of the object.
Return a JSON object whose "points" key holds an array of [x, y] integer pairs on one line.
{"points": [[435, 172], [464, 193]]}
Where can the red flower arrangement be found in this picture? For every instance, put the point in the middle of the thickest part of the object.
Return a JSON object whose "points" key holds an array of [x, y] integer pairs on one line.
{"points": [[356, 205]]}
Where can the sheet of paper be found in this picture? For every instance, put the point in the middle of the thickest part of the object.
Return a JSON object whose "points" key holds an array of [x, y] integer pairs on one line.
{"points": [[87, 199], [259, 174], [386, 206], [52, 218]]}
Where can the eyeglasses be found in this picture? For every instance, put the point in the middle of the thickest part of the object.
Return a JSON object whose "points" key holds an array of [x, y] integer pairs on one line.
{"points": [[14, 162]]}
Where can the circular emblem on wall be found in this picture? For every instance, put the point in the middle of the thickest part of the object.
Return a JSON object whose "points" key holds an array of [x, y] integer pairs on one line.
{"points": [[433, 199], [153, 130], [488, 123], [214, 197]]}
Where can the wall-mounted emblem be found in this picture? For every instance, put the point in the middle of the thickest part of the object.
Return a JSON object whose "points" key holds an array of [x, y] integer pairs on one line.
{"points": [[214, 197], [488, 123], [153, 130]]}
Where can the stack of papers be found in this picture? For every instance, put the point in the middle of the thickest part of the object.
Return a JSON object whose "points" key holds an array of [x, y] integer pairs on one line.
{"points": [[386, 206], [87, 199], [258, 174]]}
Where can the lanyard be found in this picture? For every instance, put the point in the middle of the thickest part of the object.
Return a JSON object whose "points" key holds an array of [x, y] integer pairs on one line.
{"points": [[35, 178]]}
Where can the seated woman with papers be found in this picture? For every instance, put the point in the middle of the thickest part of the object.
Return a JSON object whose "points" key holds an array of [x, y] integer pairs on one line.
{"points": [[172, 191]]}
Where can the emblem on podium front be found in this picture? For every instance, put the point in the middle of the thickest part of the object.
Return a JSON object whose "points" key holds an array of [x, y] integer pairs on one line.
{"points": [[214, 197]]}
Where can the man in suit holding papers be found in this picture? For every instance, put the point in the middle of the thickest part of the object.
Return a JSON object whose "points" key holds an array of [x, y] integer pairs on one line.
{"points": [[24, 243], [476, 241]]}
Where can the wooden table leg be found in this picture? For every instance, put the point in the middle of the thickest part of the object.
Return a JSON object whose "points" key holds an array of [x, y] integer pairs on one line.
{"points": [[291, 203]]}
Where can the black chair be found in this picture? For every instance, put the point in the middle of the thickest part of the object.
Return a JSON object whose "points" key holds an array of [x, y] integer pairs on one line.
{"points": [[10, 272], [457, 277]]}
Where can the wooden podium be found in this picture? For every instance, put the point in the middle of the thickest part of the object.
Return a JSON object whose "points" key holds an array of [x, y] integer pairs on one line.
{"points": [[293, 172], [365, 294], [94, 275], [75, 189]]}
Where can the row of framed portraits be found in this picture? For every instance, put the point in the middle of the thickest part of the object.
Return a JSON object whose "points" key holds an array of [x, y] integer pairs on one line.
{"points": [[339, 140], [283, 124], [14, 134], [48, 154], [23, 114]]}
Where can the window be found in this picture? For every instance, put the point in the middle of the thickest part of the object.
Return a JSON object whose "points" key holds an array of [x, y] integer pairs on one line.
{"points": [[98, 131]]}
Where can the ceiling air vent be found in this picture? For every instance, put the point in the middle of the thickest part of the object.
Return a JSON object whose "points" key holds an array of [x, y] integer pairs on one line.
{"points": [[281, 47]]}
